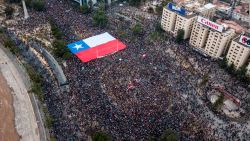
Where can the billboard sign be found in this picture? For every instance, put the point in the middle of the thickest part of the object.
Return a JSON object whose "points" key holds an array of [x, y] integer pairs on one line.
{"points": [[245, 40], [179, 10], [210, 24]]}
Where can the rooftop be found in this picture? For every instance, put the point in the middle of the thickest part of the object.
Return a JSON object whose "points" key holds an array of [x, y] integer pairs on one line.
{"points": [[188, 14], [205, 7], [230, 24], [209, 6]]}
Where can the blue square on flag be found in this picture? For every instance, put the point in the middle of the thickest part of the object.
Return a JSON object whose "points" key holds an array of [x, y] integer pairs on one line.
{"points": [[78, 46]]}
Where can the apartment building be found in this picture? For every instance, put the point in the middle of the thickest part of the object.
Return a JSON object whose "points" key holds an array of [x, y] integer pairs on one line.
{"points": [[199, 36], [175, 18], [238, 53], [186, 23], [218, 42], [211, 37], [207, 10], [168, 20], [183, 16]]}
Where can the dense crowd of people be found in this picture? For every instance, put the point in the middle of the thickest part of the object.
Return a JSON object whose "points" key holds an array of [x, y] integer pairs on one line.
{"points": [[135, 93]]}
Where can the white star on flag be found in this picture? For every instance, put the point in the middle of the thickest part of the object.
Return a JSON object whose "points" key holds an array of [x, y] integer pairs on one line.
{"points": [[78, 46]]}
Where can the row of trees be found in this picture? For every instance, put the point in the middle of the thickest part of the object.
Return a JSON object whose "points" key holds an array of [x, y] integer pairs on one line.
{"points": [[241, 73], [59, 46], [36, 88], [9, 10], [100, 19], [180, 35], [8, 43], [88, 8], [38, 5]]}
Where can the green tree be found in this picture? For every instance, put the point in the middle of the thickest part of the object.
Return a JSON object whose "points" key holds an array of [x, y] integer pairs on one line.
{"points": [[150, 10], [219, 102], [49, 121], [8, 43], [204, 80], [14, 1], [158, 27], [231, 68], [29, 3], [9, 11], [134, 2], [52, 139], [84, 9], [154, 36], [180, 35], [100, 19], [60, 49], [56, 32], [153, 139], [100, 136], [159, 8], [169, 135], [66, 55], [137, 29], [241, 73], [223, 63], [39, 5]]}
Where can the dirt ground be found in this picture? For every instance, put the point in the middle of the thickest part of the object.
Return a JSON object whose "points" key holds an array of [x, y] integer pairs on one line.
{"points": [[7, 124]]}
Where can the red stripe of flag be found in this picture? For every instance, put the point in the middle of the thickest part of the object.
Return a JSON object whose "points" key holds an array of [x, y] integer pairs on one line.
{"points": [[100, 50]]}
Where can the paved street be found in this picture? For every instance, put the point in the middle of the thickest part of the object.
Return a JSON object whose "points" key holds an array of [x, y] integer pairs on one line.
{"points": [[25, 120]]}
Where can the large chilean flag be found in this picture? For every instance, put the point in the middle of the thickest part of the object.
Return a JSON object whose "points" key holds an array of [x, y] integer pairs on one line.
{"points": [[95, 47]]}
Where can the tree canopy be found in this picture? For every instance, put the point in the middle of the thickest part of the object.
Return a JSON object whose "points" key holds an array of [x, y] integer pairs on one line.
{"points": [[134, 2], [180, 35], [100, 136], [60, 49], [169, 135], [38, 5], [137, 29], [9, 11], [100, 19]]}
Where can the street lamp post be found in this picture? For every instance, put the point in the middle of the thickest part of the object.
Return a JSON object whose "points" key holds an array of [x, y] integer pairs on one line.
{"points": [[26, 15]]}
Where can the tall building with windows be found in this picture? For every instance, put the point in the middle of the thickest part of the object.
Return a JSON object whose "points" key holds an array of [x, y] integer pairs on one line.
{"points": [[238, 53], [207, 10], [186, 23], [184, 16], [218, 42], [199, 36], [211, 37], [175, 18], [168, 20]]}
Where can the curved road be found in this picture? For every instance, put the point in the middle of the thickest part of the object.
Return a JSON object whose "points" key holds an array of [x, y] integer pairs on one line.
{"points": [[25, 119]]}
